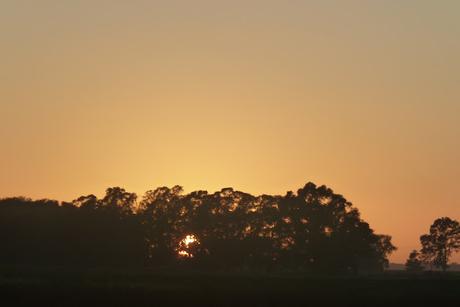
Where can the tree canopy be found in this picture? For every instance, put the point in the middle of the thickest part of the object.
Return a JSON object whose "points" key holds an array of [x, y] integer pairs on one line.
{"points": [[439, 244], [313, 229]]}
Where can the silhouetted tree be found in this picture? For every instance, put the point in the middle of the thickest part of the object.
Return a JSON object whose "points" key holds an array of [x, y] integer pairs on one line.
{"points": [[161, 216], [441, 242], [320, 230], [118, 199], [414, 263], [89, 202], [313, 230]]}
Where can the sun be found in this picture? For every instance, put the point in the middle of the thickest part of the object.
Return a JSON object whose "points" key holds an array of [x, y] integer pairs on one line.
{"points": [[189, 239], [185, 246]]}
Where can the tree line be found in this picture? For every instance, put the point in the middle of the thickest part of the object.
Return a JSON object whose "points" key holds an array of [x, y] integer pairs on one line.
{"points": [[313, 229]]}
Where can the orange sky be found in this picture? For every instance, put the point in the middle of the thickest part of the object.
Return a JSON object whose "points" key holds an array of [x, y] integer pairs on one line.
{"points": [[263, 96]]}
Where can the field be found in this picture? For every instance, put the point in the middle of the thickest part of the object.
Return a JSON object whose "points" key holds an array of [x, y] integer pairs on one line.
{"points": [[91, 287]]}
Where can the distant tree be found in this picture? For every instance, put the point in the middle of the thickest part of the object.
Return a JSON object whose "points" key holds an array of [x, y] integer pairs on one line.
{"points": [[441, 242], [414, 263]]}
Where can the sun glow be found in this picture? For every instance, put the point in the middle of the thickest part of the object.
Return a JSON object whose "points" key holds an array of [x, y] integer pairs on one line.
{"points": [[185, 254], [185, 246], [189, 239]]}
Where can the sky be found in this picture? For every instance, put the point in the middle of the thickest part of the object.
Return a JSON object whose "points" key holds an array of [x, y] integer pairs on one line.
{"points": [[262, 96]]}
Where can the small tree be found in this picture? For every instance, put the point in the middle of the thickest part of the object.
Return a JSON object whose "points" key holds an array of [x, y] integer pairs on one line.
{"points": [[441, 242], [414, 263]]}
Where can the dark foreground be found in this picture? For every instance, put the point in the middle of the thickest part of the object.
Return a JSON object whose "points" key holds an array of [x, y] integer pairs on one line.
{"points": [[83, 287]]}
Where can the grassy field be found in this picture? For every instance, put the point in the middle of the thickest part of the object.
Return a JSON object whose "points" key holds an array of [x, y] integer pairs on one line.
{"points": [[91, 287]]}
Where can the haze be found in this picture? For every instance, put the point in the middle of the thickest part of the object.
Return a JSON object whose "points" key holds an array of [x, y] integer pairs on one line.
{"points": [[263, 96]]}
